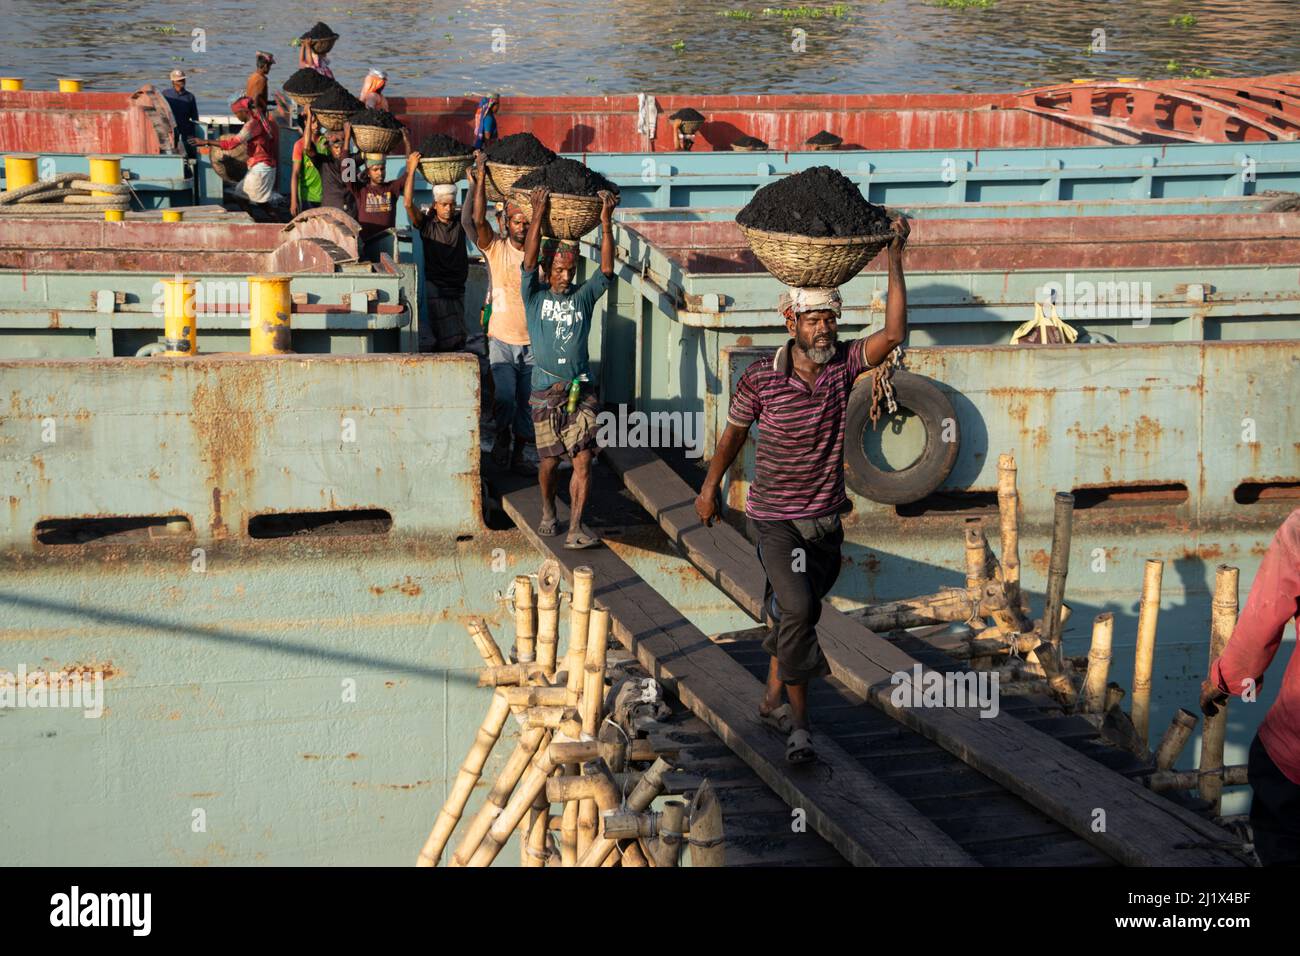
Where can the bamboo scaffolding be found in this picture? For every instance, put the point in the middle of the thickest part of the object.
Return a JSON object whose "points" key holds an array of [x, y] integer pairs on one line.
{"points": [[470, 770], [944, 607], [1057, 680], [579, 617], [612, 745], [1009, 528], [593, 699], [668, 846], [530, 787], [530, 743], [580, 751], [1144, 653], [525, 620], [640, 799], [532, 696], [539, 818], [705, 827], [1193, 779], [1095, 679], [1223, 618], [1175, 739], [506, 675], [976, 546], [487, 645], [548, 614], [1057, 570], [549, 717]]}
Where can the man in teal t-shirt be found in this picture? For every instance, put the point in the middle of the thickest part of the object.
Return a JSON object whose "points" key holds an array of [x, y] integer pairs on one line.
{"points": [[559, 320]]}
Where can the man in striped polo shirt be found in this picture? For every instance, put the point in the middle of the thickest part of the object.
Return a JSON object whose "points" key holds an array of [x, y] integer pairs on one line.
{"points": [[799, 400]]}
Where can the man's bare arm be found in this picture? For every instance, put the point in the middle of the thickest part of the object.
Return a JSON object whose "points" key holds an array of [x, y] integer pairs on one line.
{"points": [[879, 344], [478, 199], [729, 446]]}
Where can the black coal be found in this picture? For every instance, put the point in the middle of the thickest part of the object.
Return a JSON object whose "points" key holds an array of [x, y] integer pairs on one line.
{"points": [[319, 31], [686, 113], [338, 100], [308, 81], [519, 149], [439, 144], [750, 142], [380, 118], [566, 176], [824, 138], [819, 202]]}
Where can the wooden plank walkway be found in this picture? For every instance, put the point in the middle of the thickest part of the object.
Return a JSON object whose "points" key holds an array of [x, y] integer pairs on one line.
{"points": [[867, 822], [1141, 828]]}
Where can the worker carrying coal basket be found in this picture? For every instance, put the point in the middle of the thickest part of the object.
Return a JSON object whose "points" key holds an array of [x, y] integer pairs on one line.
{"points": [[799, 401]]}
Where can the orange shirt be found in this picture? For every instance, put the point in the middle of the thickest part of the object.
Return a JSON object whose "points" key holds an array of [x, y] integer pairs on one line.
{"points": [[508, 323]]}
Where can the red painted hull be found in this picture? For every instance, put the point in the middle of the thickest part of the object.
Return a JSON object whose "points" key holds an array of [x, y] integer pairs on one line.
{"points": [[109, 122]]}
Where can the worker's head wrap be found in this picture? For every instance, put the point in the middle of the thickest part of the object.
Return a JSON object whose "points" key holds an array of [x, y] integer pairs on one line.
{"points": [[241, 103], [444, 192], [799, 300], [484, 105], [558, 250], [264, 57], [373, 83]]}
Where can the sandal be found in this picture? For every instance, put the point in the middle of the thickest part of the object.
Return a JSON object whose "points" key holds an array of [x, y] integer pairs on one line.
{"points": [[548, 527], [779, 718], [582, 538], [799, 748]]}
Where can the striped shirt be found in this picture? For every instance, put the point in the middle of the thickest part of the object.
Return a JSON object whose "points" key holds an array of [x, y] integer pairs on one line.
{"points": [[799, 462]]}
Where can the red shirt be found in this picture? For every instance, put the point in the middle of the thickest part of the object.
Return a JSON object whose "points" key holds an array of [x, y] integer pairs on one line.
{"points": [[799, 461], [377, 205], [1274, 600], [263, 139]]}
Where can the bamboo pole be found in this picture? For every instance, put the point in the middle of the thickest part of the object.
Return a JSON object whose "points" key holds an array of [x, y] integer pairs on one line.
{"points": [[593, 699], [530, 742], [1057, 569], [630, 854], [626, 825], [1115, 694], [1163, 780], [1094, 680], [535, 848], [611, 742], [1009, 529], [1175, 739], [525, 620], [671, 824], [580, 751], [548, 717], [505, 675], [952, 605], [531, 696], [487, 645], [548, 613], [579, 616], [640, 798], [1057, 679], [706, 840], [1144, 654], [488, 735], [1223, 618], [976, 544]]}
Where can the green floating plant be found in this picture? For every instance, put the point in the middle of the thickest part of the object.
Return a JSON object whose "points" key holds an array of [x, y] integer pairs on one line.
{"points": [[679, 46], [807, 13], [1186, 20]]}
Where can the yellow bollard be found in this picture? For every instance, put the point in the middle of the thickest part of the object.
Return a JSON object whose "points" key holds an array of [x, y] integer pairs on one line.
{"points": [[172, 215], [20, 170], [269, 308], [11, 82], [68, 84], [114, 215], [180, 327], [106, 170]]}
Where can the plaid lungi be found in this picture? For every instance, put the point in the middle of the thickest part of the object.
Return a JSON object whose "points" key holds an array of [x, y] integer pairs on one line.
{"points": [[559, 433]]}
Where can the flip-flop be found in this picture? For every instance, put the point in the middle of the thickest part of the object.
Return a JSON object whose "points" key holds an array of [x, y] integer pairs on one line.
{"points": [[548, 528], [581, 539], [799, 748], [778, 718]]}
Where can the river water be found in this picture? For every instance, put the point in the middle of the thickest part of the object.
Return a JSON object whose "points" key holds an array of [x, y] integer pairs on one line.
{"points": [[578, 47]]}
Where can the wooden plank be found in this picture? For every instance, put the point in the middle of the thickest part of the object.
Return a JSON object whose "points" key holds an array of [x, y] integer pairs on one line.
{"points": [[863, 819], [1142, 828]]}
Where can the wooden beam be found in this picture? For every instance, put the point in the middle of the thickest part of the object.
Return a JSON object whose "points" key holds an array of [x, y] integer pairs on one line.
{"points": [[1141, 828], [867, 822]]}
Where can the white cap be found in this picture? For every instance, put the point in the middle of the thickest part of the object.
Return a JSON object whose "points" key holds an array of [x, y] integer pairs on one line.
{"points": [[443, 191]]}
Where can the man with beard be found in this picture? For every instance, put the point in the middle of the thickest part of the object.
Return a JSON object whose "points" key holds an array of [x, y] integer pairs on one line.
{"points": [[799, 402]]}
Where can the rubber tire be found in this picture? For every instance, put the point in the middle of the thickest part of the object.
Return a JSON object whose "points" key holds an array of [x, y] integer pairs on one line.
{"points": [[921, 397]]}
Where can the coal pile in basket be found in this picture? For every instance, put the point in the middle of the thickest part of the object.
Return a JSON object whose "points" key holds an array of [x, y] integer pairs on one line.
{"points": [[519, 149], [824, 138], [820, 202], [338, 100], [440, 144], [688, 115], [567, 176], [308, 82], [379, 119], [749, 142]]}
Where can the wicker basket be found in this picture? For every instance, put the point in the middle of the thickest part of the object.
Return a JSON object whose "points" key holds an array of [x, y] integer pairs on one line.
{"points": [[567, 216], [376, 139], [323, 45], [811, 262], [332, 119], [501, 179], [445, 170], [304, 100], [231, 165]]}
